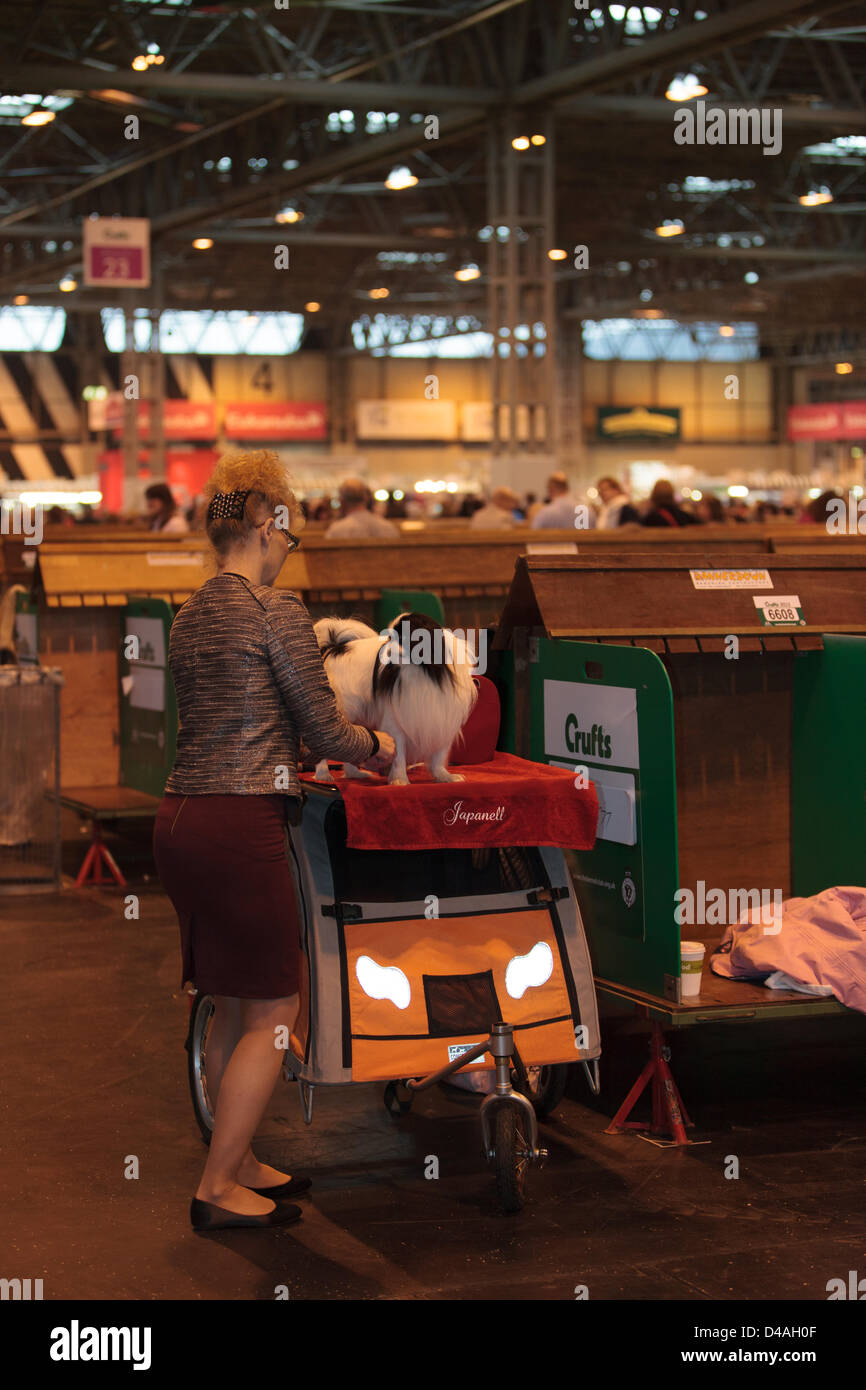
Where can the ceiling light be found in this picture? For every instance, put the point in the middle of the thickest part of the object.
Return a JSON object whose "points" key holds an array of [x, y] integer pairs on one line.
{"points": [[685, 87], [726, 331], [21, 299], [140, 63], [379, 293], [467, 272], [670, 227], [520, 142], [203, 243], [112, 94], [816, 197], [738, 490], [68, 284], [538, 139], [844, 368], [289, 215], [38, 118], [557, 254], [751, 277], [312, 307], [401, 177], [649, 313]]}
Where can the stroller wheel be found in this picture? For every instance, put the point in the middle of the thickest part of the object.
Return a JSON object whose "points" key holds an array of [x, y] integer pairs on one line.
{"points": [[396, 1104], [200, 1018], [546, 1088], [513, 1156]]}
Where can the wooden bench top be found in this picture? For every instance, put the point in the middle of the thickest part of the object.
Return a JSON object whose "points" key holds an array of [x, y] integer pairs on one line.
{"points": [[722, 1000], [107, 803]]}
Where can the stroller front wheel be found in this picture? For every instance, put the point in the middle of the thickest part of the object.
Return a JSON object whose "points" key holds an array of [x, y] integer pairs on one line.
{"points": [[512, 1157]]}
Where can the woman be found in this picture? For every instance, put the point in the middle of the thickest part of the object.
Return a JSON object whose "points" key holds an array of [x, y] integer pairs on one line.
{"points": [[663, 510], [162, 511], [250, 684]]}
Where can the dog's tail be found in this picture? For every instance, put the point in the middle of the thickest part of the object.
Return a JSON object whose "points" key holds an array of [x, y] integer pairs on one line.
{"points": [[334, 637], [420, 642]]}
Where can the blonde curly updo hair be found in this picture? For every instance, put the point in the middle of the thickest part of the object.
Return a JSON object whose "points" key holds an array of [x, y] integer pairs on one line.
{"points": [[262, 474]]}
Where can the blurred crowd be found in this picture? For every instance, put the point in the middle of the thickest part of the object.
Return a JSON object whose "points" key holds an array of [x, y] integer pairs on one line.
{"points": [[355, 512]]}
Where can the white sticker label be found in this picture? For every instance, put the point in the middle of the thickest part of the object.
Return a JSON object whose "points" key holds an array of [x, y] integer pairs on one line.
{"points": [[786, 608], [593, 724], [731, 579], [151, 639], [457, 1050], [617, 810]]}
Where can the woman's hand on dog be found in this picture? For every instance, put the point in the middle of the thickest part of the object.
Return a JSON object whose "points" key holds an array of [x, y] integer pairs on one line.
{"points": [[385, 755]]}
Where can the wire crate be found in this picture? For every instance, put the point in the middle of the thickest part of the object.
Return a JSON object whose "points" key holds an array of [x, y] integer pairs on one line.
{"points": [[29, 779]]}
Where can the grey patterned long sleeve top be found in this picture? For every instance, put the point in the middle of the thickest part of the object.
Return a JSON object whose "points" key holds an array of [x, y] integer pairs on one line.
{"points": [[250, 684]]}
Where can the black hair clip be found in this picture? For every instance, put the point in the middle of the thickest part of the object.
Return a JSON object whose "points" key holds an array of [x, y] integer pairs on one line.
{"points": [[228, 505]]}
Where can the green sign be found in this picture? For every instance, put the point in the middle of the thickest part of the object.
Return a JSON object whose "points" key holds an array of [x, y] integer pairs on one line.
{"points": [[607, 712], [148, 713]]}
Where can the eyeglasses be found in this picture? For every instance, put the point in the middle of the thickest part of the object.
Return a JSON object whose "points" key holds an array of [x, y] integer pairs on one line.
{"points": [[292, 541]]}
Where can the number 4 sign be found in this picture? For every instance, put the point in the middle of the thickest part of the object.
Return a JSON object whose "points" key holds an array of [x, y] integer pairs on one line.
{"points": [[117, 251]]}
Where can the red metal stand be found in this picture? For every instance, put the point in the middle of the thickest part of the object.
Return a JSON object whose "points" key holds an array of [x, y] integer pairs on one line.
{"points": [[97, 855], [669, 1113]]}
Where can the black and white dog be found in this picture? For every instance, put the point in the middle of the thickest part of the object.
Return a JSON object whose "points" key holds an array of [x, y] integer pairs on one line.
{"points": [[413, 681]]}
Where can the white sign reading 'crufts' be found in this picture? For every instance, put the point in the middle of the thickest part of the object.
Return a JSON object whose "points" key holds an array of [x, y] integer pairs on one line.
{"points": [[594, 724]]}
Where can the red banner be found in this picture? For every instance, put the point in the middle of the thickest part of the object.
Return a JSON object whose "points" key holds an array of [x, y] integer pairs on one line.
{"points": [[845, 420], [280, 420], [181, 419], [186, 471]]}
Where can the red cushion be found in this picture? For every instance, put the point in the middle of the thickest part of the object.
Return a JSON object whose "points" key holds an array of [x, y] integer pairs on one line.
{"points": [[480, 733]]}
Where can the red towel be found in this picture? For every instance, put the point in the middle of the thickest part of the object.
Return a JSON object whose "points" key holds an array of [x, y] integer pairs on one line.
{"points": [[507, 801]]}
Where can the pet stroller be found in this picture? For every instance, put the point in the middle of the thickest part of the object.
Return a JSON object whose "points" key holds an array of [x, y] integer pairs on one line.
{"points": [[417, 963]]}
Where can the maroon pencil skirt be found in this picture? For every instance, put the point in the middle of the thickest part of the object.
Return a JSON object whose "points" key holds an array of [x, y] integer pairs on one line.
{"points": [[222, 861]]}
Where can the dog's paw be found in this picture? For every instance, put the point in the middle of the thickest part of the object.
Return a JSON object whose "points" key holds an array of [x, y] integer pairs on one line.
{"points": [[360, 774], [396, 781], [322, 773], [443, 775]]}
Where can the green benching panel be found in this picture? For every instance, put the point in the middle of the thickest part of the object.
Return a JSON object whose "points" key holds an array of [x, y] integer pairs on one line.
{"points": [[828, 775], [148, 711], [722, 726], [393, 602], [609, 710]]}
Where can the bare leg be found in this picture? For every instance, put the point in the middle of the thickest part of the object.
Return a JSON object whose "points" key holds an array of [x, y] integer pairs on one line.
{"points": [[245, 1087], [222, 1038]]}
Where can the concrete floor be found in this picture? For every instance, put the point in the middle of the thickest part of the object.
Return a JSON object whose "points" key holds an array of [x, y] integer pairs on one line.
{"points": [[92, 1032]]}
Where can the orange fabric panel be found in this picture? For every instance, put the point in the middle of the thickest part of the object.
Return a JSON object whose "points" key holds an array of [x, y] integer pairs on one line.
{"points": [[450, 946], [391, 1061]]}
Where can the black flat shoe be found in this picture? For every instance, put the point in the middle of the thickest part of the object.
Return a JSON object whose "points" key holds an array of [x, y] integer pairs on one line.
{"points": [[205, 1216], [293, 1188]]}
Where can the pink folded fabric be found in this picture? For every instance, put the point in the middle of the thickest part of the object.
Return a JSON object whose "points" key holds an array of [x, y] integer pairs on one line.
{"points": [[822, 943]]}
